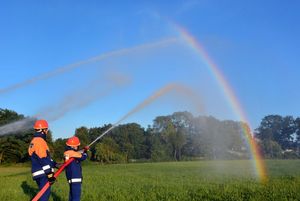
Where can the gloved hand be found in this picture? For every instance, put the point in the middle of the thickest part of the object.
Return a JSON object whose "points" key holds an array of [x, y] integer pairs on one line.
{"points": [[51, 178], [85, 149]]}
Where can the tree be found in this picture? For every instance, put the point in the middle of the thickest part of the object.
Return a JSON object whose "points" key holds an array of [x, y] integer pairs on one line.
{"points": [[288, 130], [59, 147], [172, 135], [8, 116], [297, 136], [83, 134], [11, 150], [93, 134], [130, 138], [271, 149], [281, 130], [156, 148], [108, 152]]}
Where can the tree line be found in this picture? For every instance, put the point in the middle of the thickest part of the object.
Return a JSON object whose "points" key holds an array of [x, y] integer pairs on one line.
{"points": [[279, 136], [179, 136]]}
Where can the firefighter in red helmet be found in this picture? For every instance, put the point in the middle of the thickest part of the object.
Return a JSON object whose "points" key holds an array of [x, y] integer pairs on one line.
{"points": [[73, 170], [42, 165]]}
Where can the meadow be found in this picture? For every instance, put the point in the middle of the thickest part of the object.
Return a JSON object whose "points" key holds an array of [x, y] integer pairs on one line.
{"points": [[170, 181]]}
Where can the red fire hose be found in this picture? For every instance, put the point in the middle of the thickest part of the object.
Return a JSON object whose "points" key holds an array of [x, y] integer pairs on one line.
{"points": [[57, 173]]}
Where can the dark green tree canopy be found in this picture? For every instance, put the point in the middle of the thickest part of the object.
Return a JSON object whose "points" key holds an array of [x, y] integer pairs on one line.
{"points": [[179, 136]]}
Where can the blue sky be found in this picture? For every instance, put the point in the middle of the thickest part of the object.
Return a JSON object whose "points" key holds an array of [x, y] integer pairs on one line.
{"points": [[254, 43]]}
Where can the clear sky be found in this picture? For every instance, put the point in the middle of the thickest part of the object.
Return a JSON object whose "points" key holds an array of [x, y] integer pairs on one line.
{"points": [[255, 44]]}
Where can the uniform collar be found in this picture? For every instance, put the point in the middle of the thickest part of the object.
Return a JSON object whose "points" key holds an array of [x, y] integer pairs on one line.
{"points": [[70, 148], [38, 134]]}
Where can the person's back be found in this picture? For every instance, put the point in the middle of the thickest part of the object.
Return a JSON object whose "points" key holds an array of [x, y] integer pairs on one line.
{"points": [[40, 157], [41, 163]]}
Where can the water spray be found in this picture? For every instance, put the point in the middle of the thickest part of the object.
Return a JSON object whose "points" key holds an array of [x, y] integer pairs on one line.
{"points": [[70, 102], [23, 124], [79, 64], [136, 109], [54, 112], [168, 88], [146, 102], [90, 93]]}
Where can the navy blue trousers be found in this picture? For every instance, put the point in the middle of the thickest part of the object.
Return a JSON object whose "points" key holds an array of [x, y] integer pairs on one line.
{"points": [[75, 192], [41, 182]]}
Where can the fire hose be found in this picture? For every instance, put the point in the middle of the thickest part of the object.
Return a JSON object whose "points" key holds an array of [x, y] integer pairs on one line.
{"points": [[65, 164], [146, 102]]}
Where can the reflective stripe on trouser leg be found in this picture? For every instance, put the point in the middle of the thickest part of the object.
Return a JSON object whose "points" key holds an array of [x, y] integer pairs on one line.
{"points": [[75, 180]]}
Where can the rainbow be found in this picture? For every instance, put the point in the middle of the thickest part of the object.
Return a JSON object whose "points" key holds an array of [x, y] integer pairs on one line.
{"points": [[233, 101]]}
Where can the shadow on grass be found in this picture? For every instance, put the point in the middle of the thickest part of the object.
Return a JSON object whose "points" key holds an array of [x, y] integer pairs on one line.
{"points": [[32, 191]]}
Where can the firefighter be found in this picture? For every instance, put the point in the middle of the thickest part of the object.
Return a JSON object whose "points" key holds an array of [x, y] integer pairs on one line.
{"points": [[73, 170], [42, 165]]}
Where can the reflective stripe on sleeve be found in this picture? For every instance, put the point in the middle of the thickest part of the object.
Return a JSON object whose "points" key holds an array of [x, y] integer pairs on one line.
{"points": [[38, 173], [46, 167], [76, 180]]}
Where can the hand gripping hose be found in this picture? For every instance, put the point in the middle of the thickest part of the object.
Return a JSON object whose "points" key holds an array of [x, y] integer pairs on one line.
{"points": [[57, 173], [134, 110]]}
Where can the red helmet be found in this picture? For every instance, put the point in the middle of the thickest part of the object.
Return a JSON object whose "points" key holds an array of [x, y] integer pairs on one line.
{"points": [[40, 124], [73, 141]]}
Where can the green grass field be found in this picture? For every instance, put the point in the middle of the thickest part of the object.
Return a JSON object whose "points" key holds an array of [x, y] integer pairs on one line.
{"points": [[182, 181]]}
